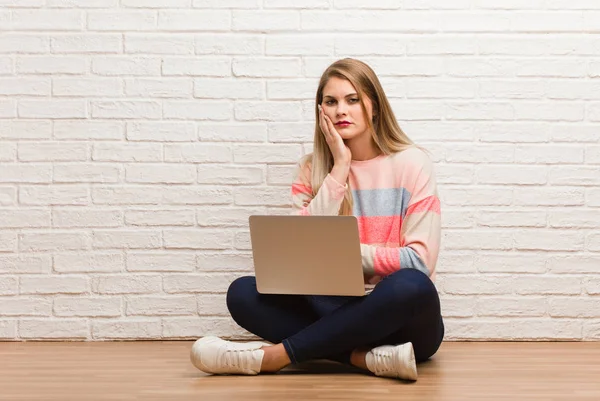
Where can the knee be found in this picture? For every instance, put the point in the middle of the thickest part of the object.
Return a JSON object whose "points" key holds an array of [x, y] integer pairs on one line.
{"points": [[413, 285], [238, 292]]}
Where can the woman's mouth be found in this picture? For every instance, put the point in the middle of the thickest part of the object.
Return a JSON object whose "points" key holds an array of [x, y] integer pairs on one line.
{"points": [[343, 124]]}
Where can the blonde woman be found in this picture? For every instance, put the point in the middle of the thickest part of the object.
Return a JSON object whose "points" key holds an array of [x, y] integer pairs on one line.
{"points": [[362, 165]]}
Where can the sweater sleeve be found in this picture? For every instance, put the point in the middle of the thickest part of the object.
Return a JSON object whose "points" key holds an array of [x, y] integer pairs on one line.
{"points": [[420, 233], [327, 200]]}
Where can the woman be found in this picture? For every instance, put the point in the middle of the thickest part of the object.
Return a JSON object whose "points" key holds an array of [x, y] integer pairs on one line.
{"points": [[362, 165]]}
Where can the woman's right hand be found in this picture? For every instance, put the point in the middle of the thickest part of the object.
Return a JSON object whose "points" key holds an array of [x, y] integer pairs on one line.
{"points": [[341, 153]]}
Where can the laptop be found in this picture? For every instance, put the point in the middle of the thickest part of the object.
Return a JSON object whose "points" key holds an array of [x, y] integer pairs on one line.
{"points": [[307, 255]]}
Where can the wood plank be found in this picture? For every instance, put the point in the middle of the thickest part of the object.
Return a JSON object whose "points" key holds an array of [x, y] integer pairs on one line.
{"points": [[161, 371]]}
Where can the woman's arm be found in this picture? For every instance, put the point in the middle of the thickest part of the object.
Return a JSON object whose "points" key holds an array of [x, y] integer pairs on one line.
{"points": [[326, 202]]}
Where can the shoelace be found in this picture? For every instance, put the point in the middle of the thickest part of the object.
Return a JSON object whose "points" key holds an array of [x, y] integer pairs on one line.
{"points": [[383, 361], [236, 358]]}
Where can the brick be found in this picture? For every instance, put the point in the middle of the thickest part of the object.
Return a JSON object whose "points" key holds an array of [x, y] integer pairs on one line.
{"points": [[514, 307], [574, 307], [47, 20], [53, 151], [514, 262], [121, 21], [127, 329], [593, 197], [89, 262], [127, 284], [291, 90], [520, 132], [549, 196], [25, 129], [126, 66], [16, 42], [206, 88], [315, 45], [53, 329], [161, 262], [54, 241], [213, 305], [88, 130], [242, 241], [263, 196], [280, 153], [55, 195], [198, 153], [516, 89], [6, 68], [9, 285], [156, 3], [488, 218], [87, 43], [436, 89], [536, 21], [574, 219], [548, 285], [151, 195], [552, 67], [432, 131], [548, 240], [197, 110], [458, 306], [8, 152], [542, 111], [160, 173], [193, 21], [25, 218], [477, 239], [265, 21], [25, 86], [280, 175], [210, 261], [30, 306], [84, 217], [519, 175], [510, 5], [477, 67], [159, 88], [192, 328], [513, 329], [230, 175], [144, 43], [54, 109], [449, 174], [226, 217], [71, 65], [161, 306], [592, 285], [480, 153], [591, 330], [54, 285], [199, 283], [226, 4], [574, 175], [396, 21], [87, 307], [593, 242], [122, 109], [230, 44], [248, 132], [202, 67], [306, 4], [8, 196], [24, 263], [161, 131], [123, 239], [573, 264], [81, 3], [479, 111], [477, 196], [592, 155], [127, 152], [87, 87], [266, 67], [8, 329], [160, 217], [482, 285], [197, 239], [86, 173], [447, 44], [458, 219]]}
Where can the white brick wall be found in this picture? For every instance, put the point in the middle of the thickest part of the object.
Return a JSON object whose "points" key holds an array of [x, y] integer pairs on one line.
{"points": [[137, 136]]}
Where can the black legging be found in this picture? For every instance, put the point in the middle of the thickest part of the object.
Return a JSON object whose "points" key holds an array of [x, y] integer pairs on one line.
{"points": [[403, 307]]}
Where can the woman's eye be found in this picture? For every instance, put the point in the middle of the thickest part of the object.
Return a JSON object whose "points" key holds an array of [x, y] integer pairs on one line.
{"points": [[353, 100], [329, 102]]}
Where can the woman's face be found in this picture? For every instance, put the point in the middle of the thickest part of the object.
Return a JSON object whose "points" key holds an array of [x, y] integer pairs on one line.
{"points": [[342, 106]]}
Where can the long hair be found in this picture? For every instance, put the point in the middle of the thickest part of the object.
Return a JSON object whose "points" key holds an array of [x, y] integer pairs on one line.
{"points": [[386, 133]]}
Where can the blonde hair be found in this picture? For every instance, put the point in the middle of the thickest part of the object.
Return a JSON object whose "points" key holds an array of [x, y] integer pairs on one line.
{"points": [[386, 133]]}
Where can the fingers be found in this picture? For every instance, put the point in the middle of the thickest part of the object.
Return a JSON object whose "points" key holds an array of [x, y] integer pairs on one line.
{"points": [[323, 123]]}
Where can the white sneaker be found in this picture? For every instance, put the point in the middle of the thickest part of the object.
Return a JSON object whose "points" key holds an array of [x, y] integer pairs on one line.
{"points": [[393, 361], [217, 356]]}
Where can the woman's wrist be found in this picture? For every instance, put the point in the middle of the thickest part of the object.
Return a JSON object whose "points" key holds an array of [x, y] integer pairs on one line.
{"points": [[340, 172]]}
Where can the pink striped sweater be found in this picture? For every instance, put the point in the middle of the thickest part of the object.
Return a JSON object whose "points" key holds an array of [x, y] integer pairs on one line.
{"points": [[396, 205]]}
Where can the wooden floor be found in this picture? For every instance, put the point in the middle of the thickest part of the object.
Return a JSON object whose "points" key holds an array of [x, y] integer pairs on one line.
{"points": [[161, 371]]}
